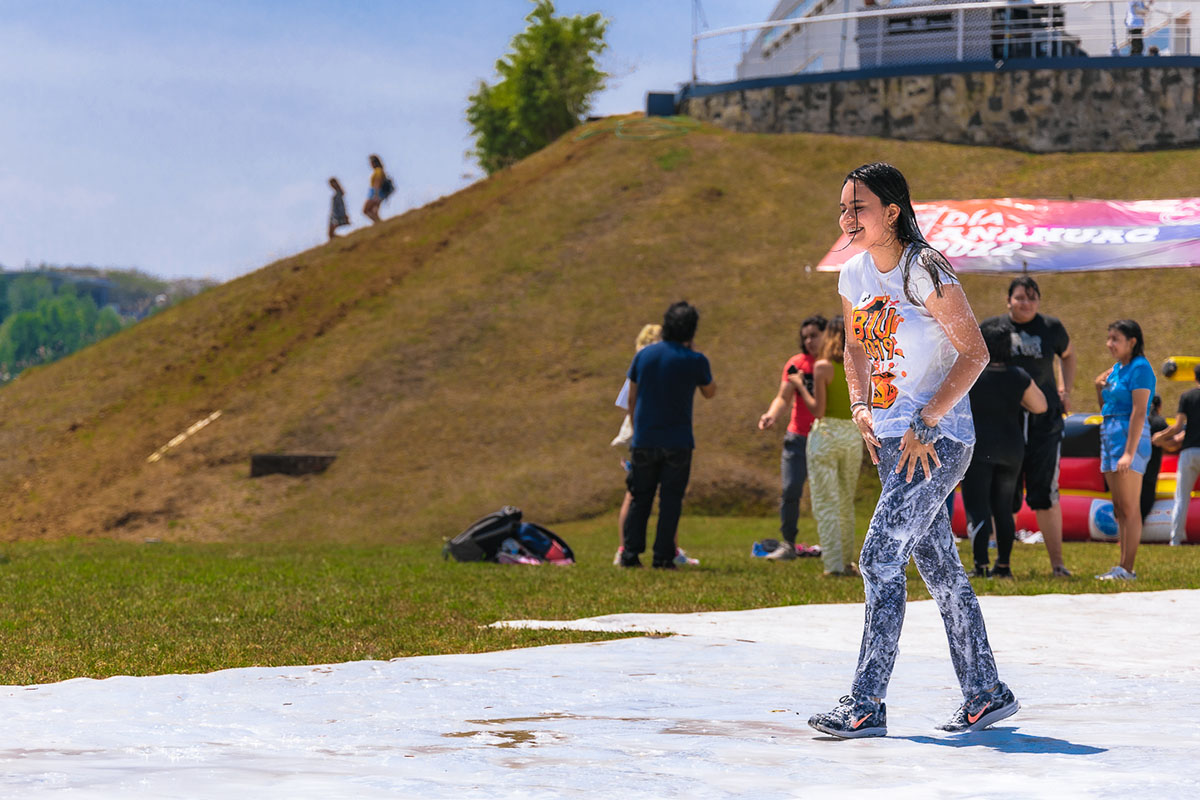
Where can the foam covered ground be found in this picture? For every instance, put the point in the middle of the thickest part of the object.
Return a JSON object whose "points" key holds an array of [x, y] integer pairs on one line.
{"points": [[1109, 684]]}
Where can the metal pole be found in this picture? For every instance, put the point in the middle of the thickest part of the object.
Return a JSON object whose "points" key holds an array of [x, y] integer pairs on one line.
{"points": [[1112, 24], [842, 54], [879, 43], [695, 23], [962, 23]]}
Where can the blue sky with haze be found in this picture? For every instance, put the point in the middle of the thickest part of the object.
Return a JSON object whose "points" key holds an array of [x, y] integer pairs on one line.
{"points": [[196, 138]]}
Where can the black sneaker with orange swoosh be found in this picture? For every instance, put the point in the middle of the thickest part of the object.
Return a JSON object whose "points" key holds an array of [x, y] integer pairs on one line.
{"points": [[853, 718], [982, 710]]}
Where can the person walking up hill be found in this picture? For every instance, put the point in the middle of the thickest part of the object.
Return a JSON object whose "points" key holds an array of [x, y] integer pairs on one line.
{"points": [[337, 208], [381, 189]]}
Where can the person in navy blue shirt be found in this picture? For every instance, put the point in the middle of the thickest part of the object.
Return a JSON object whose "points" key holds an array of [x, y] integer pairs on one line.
{"points": [[663, 379]]}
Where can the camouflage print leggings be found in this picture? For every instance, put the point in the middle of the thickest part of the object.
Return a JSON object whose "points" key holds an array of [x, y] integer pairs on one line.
{"points": [[910, 520]]}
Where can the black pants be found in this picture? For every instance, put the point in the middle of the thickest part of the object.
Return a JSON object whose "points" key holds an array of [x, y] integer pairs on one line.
{"points": [[1135, 41], [987, 491], [1150, 481], [661, 470]]}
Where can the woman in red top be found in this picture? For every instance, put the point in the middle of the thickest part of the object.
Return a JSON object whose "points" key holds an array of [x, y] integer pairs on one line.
{"points": [[794, 462]]}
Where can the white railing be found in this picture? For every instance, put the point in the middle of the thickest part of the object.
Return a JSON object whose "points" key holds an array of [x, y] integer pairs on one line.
{"points": [[847, 35]]}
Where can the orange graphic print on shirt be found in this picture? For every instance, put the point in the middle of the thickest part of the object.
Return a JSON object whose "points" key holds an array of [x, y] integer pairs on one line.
{"points": [[874, 324]]}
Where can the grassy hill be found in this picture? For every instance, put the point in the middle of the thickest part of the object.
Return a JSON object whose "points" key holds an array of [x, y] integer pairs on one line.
{"points": [[466, 354]]}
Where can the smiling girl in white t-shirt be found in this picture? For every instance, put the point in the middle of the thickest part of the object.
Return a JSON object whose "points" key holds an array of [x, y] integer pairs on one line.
{"points": [[913, 351]]}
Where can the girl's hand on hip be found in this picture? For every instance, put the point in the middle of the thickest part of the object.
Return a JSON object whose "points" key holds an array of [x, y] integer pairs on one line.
{"points": [[866, 426], [913, 452]]}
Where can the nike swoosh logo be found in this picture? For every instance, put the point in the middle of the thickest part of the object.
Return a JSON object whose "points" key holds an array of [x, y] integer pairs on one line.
{"points": [[973, 718], [854, 725]]}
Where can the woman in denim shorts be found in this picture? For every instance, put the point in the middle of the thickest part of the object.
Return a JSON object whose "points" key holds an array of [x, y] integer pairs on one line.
{"points": [[1124, 391]]}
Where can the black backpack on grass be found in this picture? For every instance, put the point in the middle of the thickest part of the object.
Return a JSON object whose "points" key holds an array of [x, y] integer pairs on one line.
{"points": [[484, 539]]}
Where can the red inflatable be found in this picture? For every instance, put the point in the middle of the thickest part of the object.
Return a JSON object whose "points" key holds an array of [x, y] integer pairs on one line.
{"points": [[1084, 498]]}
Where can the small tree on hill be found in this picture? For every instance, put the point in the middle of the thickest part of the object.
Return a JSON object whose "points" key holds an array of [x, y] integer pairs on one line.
{"points": [[545, 88]]}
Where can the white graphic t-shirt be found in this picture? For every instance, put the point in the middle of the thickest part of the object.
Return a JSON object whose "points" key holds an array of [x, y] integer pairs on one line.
{"points": [[909, 352]]}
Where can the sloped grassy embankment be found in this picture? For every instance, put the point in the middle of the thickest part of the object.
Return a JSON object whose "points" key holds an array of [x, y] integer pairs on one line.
{"points": [[466, 354]]}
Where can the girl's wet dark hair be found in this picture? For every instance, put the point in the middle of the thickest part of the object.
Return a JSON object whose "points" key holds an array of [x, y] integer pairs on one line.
{"points": [[375, 161], [888, 184], [997, 334], [1131, 330]]}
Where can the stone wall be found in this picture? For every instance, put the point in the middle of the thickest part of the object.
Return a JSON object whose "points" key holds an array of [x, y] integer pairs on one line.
{"points": [[1037, 110]]}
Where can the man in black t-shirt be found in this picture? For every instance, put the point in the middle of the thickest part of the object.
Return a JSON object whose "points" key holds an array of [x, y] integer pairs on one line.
{"points": [[1189, 457], [1037, 341]]}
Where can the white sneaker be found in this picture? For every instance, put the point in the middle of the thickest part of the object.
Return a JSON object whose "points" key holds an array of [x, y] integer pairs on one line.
{"points": [[785, 552], [1117, 573], [682, 559]]}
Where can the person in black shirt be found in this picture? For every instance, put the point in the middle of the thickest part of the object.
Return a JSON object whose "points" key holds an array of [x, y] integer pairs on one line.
{"points": [[1189, 457], [999, 400], [1037, 341], [1150, 478]]}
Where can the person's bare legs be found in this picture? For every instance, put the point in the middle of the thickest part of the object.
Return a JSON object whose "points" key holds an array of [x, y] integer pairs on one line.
{"points": [[1126, 493], [371, 209], [1050, 524]]}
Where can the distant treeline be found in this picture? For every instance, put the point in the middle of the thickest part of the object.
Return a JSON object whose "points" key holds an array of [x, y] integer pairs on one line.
{"points": [[51, 312]]}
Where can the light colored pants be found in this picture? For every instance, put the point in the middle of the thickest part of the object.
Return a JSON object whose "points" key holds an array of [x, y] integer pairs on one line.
{"points": [[834, 458], [910, 521], [1185, 478]]}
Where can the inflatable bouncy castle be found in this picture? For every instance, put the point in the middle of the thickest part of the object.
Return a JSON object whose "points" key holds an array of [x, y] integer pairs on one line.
{"points": [[1086, 503]]}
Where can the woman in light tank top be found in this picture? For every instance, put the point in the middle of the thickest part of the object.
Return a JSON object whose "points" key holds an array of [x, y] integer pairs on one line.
{"points": [[834, 452], [913, 350]]}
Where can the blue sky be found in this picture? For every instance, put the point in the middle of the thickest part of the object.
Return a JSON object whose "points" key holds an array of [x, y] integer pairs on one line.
{"points": [[196, 138]]}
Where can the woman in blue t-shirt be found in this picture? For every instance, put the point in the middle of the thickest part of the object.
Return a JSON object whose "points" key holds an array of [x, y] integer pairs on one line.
{"points": [[1124, 391]]}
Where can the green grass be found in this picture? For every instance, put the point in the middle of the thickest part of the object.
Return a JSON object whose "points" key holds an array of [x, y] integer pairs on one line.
{"points": [[76, 608]]}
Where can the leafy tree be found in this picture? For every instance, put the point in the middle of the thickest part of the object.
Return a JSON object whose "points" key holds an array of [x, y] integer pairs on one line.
{"points": [[545, 87], [57, 325], [27, 291], [20, 337]]}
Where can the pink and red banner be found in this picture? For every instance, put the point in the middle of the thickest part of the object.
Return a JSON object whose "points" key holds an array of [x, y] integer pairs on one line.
{"points": [[1007, 234]]}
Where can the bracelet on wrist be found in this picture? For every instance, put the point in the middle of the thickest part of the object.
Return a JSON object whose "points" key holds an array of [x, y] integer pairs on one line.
{"points": [[859, 404], [925, 434]]}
